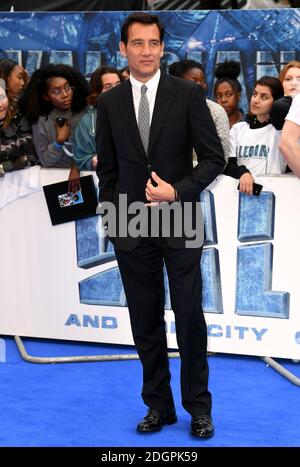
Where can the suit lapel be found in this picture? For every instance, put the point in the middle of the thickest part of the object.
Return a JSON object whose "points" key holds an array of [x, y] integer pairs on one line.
{"points": [[164, 97], [125, 105]]}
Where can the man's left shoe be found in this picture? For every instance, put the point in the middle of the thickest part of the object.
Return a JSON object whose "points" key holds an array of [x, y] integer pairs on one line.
{"points": [[202, 426]]}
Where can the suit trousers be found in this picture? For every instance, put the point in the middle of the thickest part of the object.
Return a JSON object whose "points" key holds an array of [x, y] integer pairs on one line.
{"points": [[142, 272]]}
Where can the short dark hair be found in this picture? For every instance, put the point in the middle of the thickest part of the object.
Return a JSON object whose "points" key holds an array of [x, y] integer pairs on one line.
{"points": [[143, 18]]}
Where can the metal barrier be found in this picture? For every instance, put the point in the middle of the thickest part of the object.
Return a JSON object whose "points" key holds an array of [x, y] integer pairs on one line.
{"points": [[104, 358], [82, 358]]}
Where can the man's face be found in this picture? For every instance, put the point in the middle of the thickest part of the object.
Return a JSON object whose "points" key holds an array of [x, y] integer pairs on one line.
{"points": [[143, 50]]}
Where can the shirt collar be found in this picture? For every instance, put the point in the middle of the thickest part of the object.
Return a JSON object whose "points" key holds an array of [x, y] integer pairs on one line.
{"points": [[151, 84], [254, 123]]}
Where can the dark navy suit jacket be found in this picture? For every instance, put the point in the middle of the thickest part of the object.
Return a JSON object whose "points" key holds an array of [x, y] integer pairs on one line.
{"points": [[181, 121]]}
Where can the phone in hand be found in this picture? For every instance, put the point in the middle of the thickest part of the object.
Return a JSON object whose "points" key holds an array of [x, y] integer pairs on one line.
{"points": [[256, 188], [60, 121]]}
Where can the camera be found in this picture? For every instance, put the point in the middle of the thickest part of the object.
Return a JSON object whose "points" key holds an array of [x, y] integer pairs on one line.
{"points": [[60, 121]]}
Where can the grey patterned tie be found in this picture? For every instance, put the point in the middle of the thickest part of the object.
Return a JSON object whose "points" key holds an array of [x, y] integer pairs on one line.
{"points": [[144, 118]]}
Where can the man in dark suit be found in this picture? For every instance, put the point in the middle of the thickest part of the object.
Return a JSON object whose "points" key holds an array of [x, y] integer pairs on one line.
{"points": [[145, 137]]}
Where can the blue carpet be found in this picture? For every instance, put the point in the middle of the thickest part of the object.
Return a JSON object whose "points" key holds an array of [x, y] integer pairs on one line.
{"points": [[99, 404]]}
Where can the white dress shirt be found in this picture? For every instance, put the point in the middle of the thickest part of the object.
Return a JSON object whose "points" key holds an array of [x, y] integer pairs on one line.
{"points": [[152, 86]]}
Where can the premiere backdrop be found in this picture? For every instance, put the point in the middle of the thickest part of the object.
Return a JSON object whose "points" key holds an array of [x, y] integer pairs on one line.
{"points": [[262, 40]]}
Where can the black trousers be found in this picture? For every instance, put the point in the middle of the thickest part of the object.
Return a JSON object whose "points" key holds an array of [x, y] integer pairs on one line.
{"points": [[142, 275]]}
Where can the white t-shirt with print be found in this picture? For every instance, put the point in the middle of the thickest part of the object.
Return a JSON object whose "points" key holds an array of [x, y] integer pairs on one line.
{"points": [[294, 111], [257, 148]]}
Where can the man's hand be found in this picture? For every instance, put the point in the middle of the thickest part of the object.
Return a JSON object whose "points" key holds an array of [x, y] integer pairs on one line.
{"points": [[157, 194]]}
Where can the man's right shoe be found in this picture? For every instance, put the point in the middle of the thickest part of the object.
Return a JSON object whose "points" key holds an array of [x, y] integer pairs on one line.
{"points": [[155, 420]]}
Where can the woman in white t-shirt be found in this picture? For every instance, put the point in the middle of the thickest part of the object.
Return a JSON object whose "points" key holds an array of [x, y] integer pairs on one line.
{"points": [[290, 139], [254, 143]]}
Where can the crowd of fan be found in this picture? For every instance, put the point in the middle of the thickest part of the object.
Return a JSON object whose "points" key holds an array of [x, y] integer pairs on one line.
{"points": [[50, 119]]}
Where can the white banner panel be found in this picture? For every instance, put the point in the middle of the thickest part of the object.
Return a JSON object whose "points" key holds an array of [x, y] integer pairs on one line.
{"points": [[62, 282]]}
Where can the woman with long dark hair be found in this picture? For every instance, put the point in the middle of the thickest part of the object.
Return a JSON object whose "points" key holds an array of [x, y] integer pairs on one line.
{"points": [[254, 143], [53, 102], [17, 148], [15, 78]]}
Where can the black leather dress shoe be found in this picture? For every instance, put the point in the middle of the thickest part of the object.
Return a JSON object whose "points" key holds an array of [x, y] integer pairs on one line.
{"points": [[155, 420], [202, 426]]}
